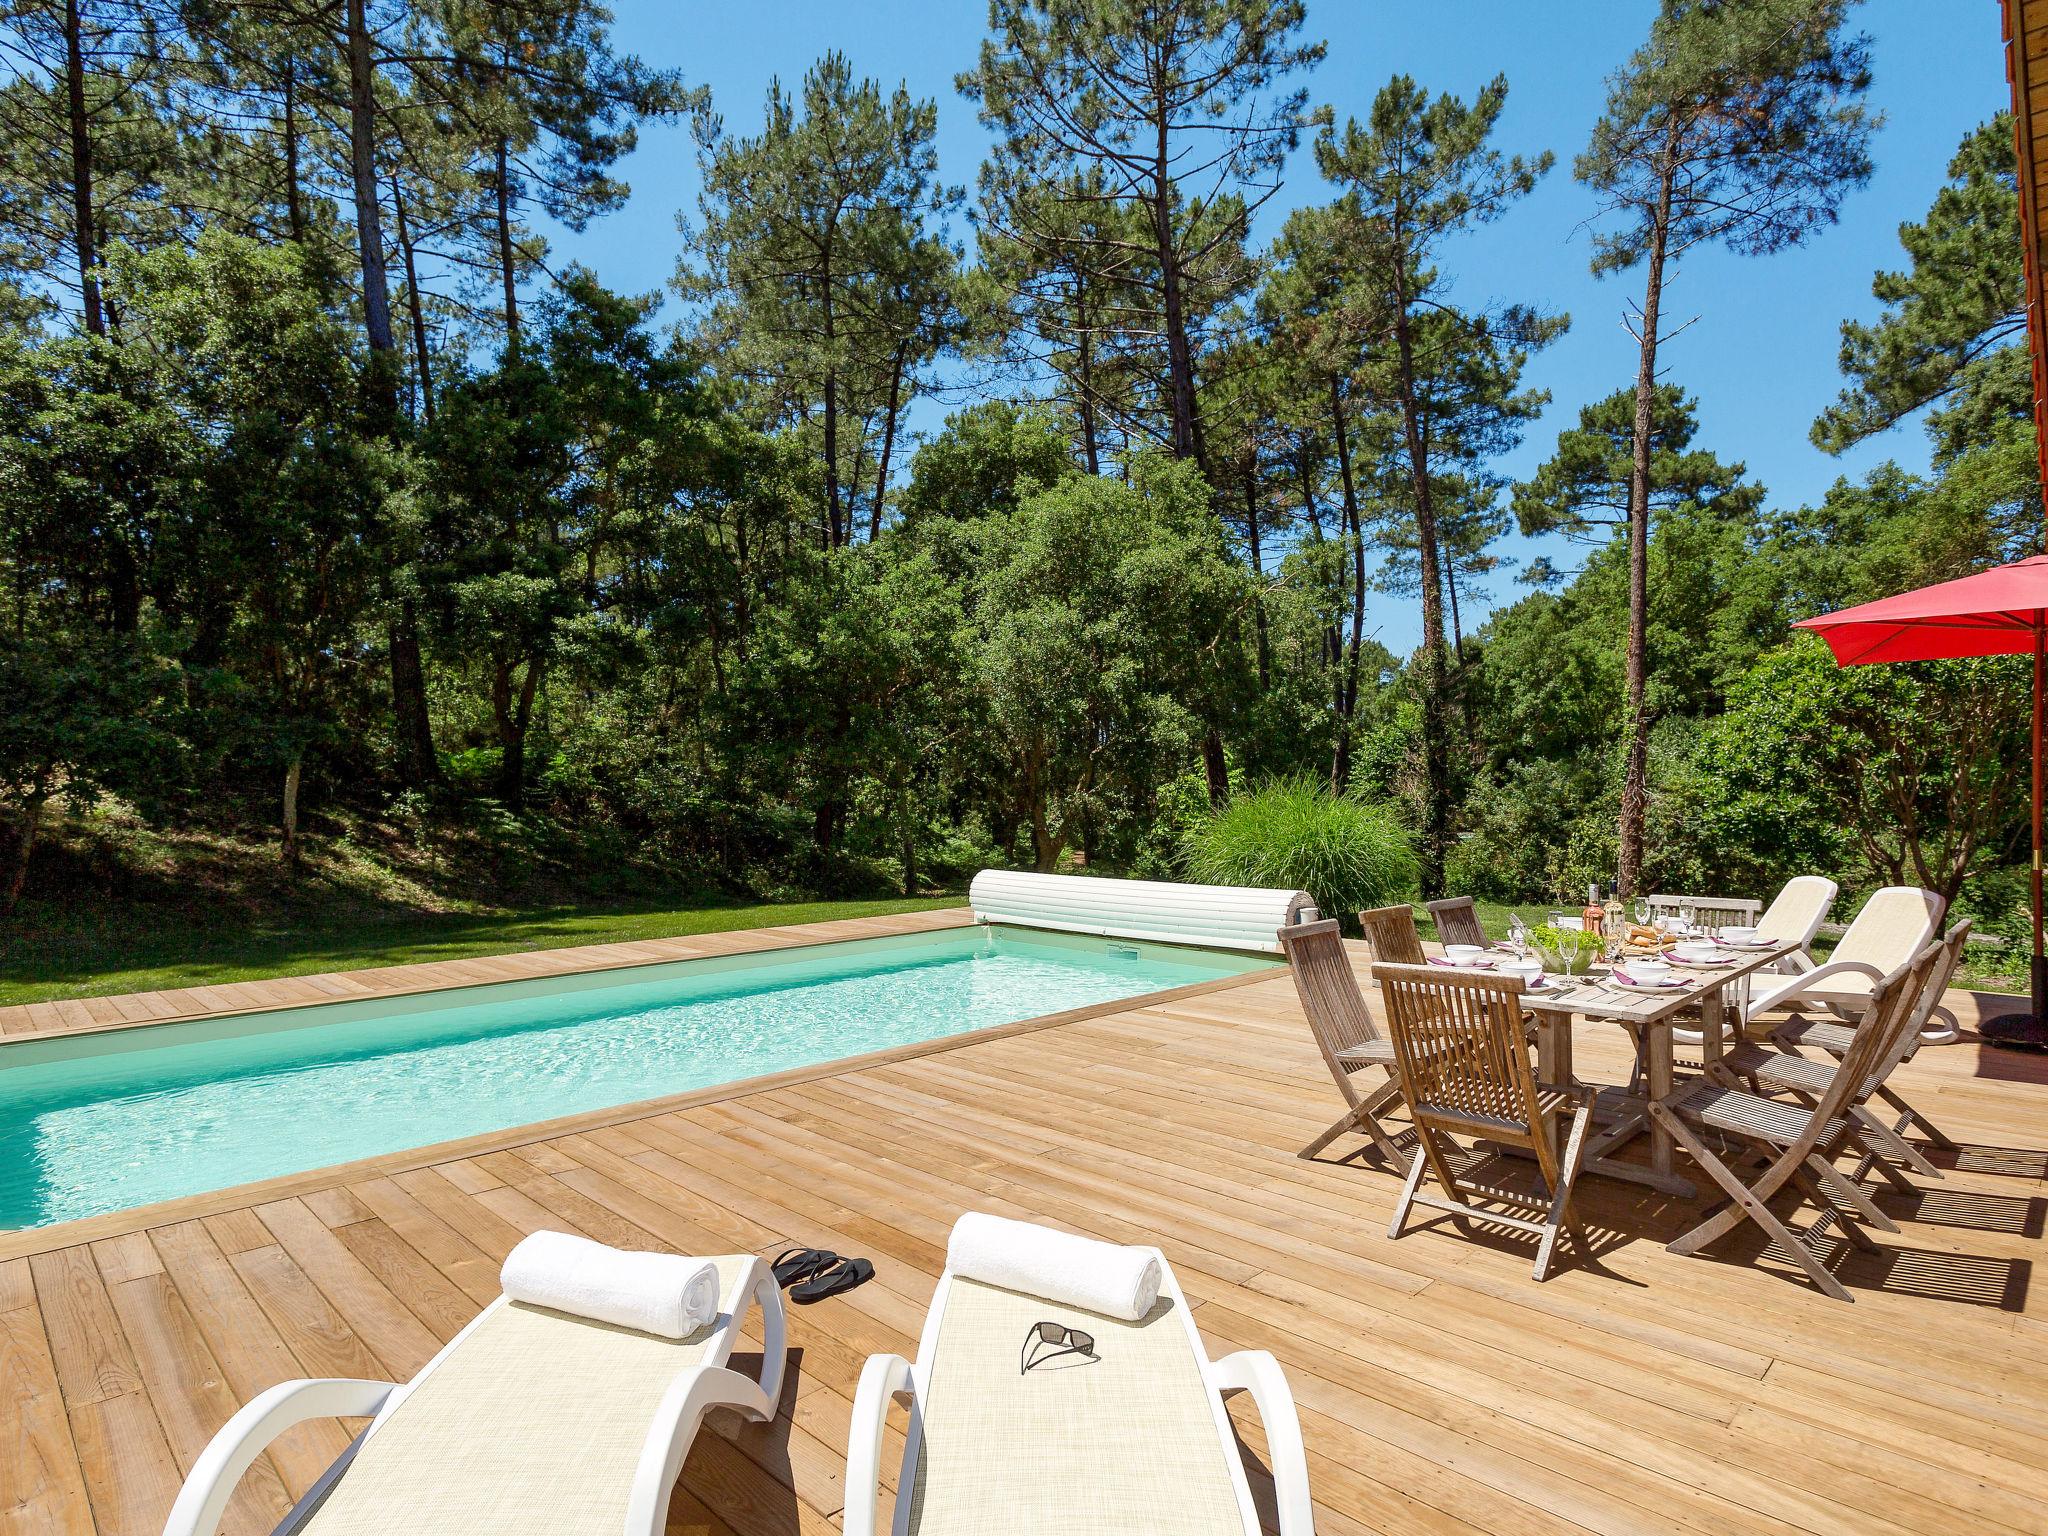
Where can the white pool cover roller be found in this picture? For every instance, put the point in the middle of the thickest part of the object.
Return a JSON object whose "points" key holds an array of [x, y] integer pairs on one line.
{"points": [[1221, 916]]}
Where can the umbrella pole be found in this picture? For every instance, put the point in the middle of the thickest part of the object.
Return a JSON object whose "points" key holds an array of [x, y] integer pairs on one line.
{"points": [[2040, 967]]}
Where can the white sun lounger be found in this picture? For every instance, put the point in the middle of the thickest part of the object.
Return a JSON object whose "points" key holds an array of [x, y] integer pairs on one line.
{"points": [[1136, 1440], [527, 1422], [1890, 929]]}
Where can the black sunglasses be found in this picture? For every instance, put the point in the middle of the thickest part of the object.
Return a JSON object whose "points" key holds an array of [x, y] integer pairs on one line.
{"points": [[1064, 1341]]}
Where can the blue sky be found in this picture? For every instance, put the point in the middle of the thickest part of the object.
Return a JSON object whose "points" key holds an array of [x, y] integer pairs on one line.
{"points": [[1761, 357]]}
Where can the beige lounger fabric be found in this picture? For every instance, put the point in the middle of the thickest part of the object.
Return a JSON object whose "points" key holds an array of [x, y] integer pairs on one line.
{"points": [[532, 1428], [1124, 1444], [1892, 925]]}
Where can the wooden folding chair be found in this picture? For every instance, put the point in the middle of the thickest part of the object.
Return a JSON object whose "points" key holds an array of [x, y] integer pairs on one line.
{"points": [[1391, 935], [1788, 1072], [1343, 1025], [1782, 1146], [1464, 1070], [1457, 921]]}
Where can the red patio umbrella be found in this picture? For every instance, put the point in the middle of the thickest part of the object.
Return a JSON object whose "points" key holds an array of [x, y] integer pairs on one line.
{"points": [[2001, 612]]}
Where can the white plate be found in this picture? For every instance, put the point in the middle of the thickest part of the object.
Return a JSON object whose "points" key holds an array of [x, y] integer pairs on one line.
{"points": [[1746, 943], [1669, 984]]}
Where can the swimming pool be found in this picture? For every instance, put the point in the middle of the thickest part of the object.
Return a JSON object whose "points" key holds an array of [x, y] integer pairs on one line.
{"points": [[103, 1122]]}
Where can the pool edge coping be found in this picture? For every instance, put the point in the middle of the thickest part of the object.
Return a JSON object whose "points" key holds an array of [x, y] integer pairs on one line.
{"points": [[771, 938], [28, 1242]]}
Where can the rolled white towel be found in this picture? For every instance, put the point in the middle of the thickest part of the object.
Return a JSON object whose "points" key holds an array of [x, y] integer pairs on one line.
{"points": [[658, 1293], [1057, 1266]]}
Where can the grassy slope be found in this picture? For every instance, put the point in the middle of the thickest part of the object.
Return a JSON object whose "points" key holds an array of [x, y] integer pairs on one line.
{"points": [[117, 907], [88, 962]]}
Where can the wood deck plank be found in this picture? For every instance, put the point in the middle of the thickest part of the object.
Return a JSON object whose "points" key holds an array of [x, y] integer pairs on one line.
{"points": [[1441, 1389], [42, 1489]]}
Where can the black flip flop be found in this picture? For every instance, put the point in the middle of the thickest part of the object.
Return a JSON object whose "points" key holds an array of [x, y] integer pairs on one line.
{"points": [[796, 1264], [841, 1275]]}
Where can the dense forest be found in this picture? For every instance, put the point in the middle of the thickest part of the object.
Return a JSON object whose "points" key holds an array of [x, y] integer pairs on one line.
{"points": [[333, 507]]}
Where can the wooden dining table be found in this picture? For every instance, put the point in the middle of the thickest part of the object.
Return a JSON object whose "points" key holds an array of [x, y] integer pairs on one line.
{"points": [[1650, 1017]]}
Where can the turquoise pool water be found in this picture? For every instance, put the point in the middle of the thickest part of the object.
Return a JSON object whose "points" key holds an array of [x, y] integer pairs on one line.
{"points": [[105, 1122]]}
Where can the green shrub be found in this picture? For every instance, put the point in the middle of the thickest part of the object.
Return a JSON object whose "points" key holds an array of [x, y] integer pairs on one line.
{"points": [[1294, 833]]}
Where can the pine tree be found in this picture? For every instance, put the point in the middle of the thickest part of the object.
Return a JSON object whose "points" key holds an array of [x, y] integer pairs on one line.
{"points": [[1738, 123], [821, 268], [1173, 112], [1417, 172], [87, 113], [1954, 328]]}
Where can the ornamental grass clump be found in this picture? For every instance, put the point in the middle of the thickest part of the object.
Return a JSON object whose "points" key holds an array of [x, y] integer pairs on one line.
{"points": [[1294, 834]]}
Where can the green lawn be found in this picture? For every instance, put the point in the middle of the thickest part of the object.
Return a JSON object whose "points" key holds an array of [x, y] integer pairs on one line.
{"points": [[56, 956]]}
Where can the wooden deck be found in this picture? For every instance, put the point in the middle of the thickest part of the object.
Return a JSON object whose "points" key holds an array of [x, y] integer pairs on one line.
{"points": [[1440, 1388]]}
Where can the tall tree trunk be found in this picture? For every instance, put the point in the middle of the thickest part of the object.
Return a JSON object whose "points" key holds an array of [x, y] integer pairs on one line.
{"points": [[827, 820], [1635, 771], [906, 841], [513, 720], [1333, 636], [1216, 768], [1436, 757], [288, 844], [1347, 682], [412, 727], [294, 197], [508, 274], [83, 234], [421, 363], [1180, 365], [27, 824], [1085, 370], [362, 160], [833, 525], [1251, 535], [888, 440]]}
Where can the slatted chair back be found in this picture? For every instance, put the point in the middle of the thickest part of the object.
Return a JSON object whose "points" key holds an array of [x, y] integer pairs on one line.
{"points": [[1457, 920], [1882, 1038], [1708, 911], [1920, 989], [1801, 1153], [1391, 934], [1328, 989], [1463, 1058], [1939, 980]]}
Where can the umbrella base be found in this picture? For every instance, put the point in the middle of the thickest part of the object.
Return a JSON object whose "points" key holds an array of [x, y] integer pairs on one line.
{"points": [[2016, 1032]]}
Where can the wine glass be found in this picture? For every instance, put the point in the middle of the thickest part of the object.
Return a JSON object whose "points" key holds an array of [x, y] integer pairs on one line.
{"points": [[1518, 936], [1643, 910], [1685, 916]]}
